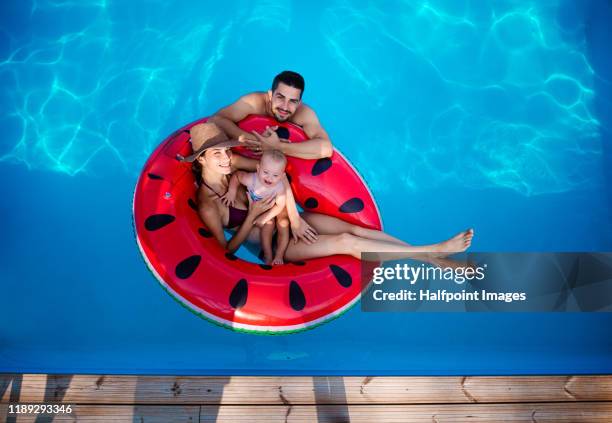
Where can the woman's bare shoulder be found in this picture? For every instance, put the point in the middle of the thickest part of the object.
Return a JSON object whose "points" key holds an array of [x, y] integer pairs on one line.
{"points": [[205, 196]]}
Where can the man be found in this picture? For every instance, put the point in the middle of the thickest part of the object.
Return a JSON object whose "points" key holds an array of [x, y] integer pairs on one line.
{"points": [[284, 103]]}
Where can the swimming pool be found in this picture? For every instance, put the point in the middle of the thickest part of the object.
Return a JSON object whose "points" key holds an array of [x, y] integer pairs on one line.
{"points": [[486, 114]]}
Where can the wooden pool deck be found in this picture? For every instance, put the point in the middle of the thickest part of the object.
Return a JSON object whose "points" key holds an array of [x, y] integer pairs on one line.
{"points": [[310, 399]]}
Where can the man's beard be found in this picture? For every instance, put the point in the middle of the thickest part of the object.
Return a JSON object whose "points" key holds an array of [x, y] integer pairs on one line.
{"points": [[281, 118]]}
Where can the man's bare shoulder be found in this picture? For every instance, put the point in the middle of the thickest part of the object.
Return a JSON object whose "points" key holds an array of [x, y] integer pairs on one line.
{"points": [[304, 115], [257, 100]]}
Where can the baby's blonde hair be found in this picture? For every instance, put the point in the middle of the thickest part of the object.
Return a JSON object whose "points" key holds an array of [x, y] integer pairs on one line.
{"points": [[276, 156]]}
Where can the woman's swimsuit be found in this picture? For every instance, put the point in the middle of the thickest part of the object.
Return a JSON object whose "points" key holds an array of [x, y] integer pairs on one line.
{"points": [[236, 216]]}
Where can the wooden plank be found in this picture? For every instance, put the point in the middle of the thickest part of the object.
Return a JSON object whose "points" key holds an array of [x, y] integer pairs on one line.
{"points": [[540, 412], [98, 389], [109, 413]]}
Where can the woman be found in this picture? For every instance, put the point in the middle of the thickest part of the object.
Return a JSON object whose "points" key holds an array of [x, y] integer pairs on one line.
{"points": [[315, 234]]}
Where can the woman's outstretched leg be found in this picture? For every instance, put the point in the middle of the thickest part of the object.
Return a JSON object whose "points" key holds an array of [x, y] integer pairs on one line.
{"points": [[349, 244], [328, 225]]}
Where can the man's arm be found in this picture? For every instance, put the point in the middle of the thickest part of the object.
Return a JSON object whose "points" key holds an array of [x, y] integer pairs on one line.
{"points": [[317, 146], [227, 117]]}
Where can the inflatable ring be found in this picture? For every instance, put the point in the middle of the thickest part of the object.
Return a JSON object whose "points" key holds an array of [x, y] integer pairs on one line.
{"points": [[191, 266]]}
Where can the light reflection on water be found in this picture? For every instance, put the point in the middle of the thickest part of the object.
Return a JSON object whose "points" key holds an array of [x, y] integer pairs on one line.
{"points": [[458, 113], [477, 94]]}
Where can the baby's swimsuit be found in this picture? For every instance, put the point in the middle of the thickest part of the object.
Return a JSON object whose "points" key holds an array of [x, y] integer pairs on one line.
{"points": [[257, 191]]}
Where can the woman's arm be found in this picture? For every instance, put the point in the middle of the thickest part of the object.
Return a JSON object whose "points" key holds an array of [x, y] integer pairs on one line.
{"points": [[237, 178], [300, 229], [212, 219], [279, 205], [210, 216], [255, 209], [241, 234], [243, 163], [292, 212]]}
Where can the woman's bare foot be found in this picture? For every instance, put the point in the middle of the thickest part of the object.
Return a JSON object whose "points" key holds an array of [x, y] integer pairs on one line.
{"points": [[456, 244], [277, 261]]}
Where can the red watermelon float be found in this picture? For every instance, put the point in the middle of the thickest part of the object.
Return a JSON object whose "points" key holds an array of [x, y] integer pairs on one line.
{"points": [[245, 296]]}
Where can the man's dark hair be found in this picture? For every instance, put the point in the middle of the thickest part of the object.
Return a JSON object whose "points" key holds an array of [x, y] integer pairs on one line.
{"points": [[293, 79]]}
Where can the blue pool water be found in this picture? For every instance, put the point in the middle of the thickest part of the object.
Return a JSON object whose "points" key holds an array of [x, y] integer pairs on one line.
{"points": [[458, 113]]}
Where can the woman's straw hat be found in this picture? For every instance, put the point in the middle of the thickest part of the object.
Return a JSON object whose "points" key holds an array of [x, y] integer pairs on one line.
{"points": [[207, 135]]}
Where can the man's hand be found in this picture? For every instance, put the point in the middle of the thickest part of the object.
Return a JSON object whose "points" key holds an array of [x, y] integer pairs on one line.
{"points": [[268, 139], [304, 232], [250, 141], [269, 130]]}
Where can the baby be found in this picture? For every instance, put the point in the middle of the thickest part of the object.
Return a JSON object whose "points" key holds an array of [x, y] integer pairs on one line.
{"points": [[267, 181]]}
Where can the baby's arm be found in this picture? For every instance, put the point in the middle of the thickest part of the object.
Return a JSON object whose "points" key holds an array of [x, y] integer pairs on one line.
{"points": [[238, 177], [279, 205]]}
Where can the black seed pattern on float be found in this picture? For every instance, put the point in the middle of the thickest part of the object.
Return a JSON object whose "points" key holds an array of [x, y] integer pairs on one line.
{"points": [[342, 276], [158, 221], [239, 294], [311, 203], [321, 166], [186, 267], [354, 205], [282, 132], [296, 296]]}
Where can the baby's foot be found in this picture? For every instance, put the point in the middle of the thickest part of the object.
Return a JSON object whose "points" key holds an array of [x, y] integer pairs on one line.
{"points": [[456, 244], [277, 261]]}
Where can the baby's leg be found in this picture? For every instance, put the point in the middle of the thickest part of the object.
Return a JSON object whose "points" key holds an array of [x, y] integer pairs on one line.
{"points": [[266, 240], [282, 230]]}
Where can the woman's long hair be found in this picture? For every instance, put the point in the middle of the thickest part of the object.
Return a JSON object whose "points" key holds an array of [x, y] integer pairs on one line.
{"points": [[196, 168]]}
